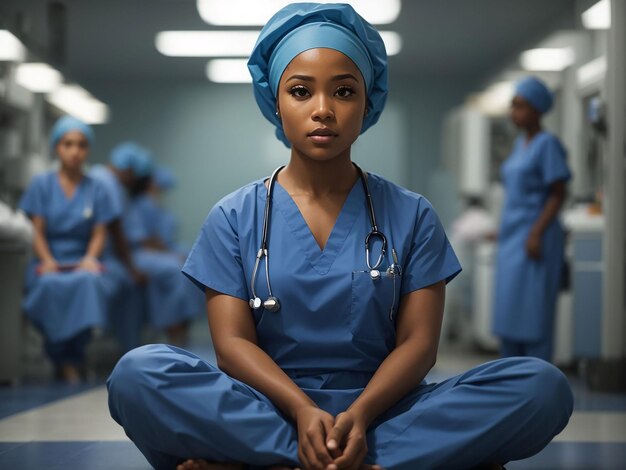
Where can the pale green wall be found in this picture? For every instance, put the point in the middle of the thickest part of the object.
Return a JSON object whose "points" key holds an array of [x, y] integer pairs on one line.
{"points": [[216, 140]]}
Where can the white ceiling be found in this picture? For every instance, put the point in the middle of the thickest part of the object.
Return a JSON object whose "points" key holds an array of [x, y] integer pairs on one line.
{"points": [[452, 39]]}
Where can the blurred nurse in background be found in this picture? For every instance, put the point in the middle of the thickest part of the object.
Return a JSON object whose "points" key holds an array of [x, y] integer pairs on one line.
{"points": [[66, 284], [163, 181], [125, 317], [172, 301], [531, 238]]}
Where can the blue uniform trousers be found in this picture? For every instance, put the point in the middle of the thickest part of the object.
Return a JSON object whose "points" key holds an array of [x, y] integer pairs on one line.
{"points": [[174, 406]]}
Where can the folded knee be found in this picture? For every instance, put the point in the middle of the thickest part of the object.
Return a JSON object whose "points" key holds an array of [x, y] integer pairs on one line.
{"points": [[549, 389], [133, 368]]}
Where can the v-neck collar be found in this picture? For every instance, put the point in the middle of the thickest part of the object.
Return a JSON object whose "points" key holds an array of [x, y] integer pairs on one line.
{"points": [[72, 198], [320, 260]]}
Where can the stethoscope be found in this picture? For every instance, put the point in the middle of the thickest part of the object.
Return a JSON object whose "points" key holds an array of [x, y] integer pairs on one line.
{"points": [[272, 303]]}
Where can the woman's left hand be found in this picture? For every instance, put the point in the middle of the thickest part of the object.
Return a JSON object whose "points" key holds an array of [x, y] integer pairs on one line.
{"points": [[346, 441], [533, 245], [90, 264]]}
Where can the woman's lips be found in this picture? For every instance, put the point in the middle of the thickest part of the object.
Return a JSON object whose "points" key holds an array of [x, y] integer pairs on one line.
{"points": [[322, 135]]}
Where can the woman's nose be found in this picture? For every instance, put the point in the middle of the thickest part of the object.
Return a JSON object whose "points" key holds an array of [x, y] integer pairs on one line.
{"points": [[323, 109]]}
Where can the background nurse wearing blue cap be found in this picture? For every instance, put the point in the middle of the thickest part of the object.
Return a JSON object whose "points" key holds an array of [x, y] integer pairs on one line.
{"points": [[531, 238], [66, 289], [126, 306], [334, 378], [171, 302]]}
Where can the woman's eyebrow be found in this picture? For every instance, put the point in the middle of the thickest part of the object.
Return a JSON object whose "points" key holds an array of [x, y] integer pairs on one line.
{"points": [[301, 77], [344, 76], [335, 78]]}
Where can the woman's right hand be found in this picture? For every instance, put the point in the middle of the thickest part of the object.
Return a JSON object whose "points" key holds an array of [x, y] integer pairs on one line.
{"points": [[313, 426], [47, 266]]}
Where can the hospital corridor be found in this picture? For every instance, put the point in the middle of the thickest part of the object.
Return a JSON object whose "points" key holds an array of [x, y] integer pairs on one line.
{"points": [[377, 234]]}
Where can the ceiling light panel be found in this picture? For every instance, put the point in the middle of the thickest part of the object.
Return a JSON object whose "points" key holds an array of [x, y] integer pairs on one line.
{"points": [[11, 48], [258, 12], [77, 102], [228, 71], [38, 77], [230, 43], [598, 16], [547, 59], [206, 43]]}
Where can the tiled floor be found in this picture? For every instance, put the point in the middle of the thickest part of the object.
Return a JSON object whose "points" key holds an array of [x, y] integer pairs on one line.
{"points": [[61, 427]]}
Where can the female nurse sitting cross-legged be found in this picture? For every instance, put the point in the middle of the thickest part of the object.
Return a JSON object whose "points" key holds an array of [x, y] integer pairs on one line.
{"points": [[325, 289]]}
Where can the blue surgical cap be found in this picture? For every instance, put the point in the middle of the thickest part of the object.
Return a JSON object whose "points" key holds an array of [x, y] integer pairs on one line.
{"points": [[302, 26], [164, 178], [131, 156], [536, 93], [68, 124]]}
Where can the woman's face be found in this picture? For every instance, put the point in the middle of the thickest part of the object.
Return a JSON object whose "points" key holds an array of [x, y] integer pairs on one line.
{"points": [[73, 149], [321, 102], [523, 114]]}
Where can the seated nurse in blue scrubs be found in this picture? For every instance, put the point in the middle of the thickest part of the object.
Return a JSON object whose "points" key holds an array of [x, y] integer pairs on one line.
{"points": [[334, 377], [67, 284]]}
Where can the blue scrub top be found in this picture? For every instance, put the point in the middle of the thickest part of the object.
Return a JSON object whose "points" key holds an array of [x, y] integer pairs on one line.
{"points": [[69, 221], [116, 191], [527, 175], [333, 317], [141, 220]]}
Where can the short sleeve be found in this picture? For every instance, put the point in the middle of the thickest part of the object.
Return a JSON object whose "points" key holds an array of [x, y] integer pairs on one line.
{"points": [[215, 258], [104, 208], [553, 162], [33, 200], [431, 258]]}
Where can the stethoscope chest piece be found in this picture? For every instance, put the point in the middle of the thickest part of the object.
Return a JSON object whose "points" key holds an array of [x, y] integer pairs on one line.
{"points": [[375, 274]]}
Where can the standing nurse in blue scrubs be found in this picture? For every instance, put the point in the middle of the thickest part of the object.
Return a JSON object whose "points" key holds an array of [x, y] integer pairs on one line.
{"points": [[66, 288], [322, 344], [531, 239]]}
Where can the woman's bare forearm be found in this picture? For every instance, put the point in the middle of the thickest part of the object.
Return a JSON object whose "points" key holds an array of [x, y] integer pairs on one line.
{"points": [[551, 208], [400, 372], [247, 362], [40, 243], [97, 241]]}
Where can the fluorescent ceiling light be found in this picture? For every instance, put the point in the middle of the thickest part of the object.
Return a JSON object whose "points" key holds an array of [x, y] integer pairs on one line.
{"points": [[598, 16], [257, 12], [38, 77], [591, 72], [10, 47], [230, 43], [77, 102], [228, 71], [496, 99], [206, 43], [547, 59], [393, 42]]}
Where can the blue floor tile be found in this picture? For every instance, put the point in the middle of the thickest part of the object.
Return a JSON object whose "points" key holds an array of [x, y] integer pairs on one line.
{"points": [[72, 455], [576, 456], [15, 399]]}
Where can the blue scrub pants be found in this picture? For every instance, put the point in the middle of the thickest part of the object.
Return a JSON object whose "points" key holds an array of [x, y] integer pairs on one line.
{"points": [[174, 405], [71, 351]]}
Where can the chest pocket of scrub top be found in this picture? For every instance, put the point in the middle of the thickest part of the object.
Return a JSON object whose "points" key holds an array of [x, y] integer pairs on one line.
{"points": [[374, 305]]}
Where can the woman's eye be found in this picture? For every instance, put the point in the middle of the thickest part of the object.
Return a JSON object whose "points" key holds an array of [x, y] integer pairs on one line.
{"points": [[299, 92], [344, 91]]}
